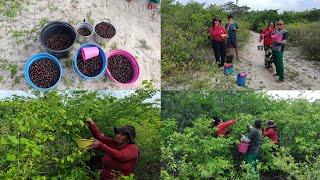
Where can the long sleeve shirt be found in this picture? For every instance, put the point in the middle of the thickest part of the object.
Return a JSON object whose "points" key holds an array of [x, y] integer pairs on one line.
{"points": [[222, 127], [115, 159], [216, 32], [276, 46], [267, 40], [272, 134], [254, 138]]}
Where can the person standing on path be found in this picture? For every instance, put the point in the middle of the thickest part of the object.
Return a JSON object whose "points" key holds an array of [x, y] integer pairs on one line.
{"points": [[254, 138], [278, 49], [232, 28], [218, 35], [267, 42]]}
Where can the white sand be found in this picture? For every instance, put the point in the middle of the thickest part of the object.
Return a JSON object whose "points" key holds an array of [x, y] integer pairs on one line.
{"points": [[134, 24], [299, 74]]}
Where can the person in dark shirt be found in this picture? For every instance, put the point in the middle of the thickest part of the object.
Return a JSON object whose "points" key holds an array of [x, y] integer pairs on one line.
{"points": [[278, 49], [232, 28], [254, 138], [121, 152]]}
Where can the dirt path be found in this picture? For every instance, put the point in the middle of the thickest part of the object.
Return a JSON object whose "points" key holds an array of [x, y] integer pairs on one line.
{"points": [[299, 73]]}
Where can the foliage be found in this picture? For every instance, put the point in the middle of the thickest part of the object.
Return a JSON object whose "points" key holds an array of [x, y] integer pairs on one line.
{"points": [[38, 134], [187, 55], [191, 152]]}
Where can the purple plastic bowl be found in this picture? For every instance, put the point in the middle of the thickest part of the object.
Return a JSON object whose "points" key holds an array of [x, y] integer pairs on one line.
{"points": [[136, 70]]}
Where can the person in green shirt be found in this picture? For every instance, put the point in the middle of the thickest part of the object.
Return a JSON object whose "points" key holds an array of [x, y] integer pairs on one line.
{"points": [[254, 138]]}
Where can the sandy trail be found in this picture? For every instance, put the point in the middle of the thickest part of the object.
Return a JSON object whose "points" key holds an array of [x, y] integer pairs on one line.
{"points": [[299, 73], [138, 32]]}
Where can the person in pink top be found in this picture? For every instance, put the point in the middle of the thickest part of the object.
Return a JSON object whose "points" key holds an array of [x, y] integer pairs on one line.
{"points": [[267, 42], [218, 35], [120, 153]]}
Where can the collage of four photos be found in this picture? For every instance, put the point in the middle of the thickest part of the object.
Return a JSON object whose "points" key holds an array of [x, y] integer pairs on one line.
{"points": [[150, 89]]}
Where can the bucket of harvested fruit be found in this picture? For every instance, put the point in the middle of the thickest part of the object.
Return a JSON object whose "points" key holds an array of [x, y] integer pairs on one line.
{"points": [[228, 68], [90, 68], [43, 71], [58, 38], [84, 32], [84, 143], [103, 32], [122, 67]]}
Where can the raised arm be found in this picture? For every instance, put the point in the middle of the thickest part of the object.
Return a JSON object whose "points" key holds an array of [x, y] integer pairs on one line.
{"points": [[96, 133], [226, 124]]}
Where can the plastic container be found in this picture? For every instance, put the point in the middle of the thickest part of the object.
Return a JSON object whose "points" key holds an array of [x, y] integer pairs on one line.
{"points": [[103, 58], [84, 39], [38, 57], [260, 47], [227, 69], [241, 81], [89, 52], [136, 70], [84, 143], [53, 28], [101, 40], [276, 37], [243, 147]]}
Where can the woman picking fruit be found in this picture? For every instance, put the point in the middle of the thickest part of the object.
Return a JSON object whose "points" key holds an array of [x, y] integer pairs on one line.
{"points": [[121, 153], [222, 126]]}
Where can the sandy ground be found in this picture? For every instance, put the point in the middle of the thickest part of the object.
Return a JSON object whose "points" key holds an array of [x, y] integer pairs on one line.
{"points": [[138, 32], [299, 73]]}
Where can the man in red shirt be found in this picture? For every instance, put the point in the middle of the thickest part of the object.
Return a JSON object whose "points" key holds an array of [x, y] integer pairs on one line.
{"points": [[271, 131], [222, 126], [121, 153]]}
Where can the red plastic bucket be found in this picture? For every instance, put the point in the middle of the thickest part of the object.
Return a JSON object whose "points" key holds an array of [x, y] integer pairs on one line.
{"points": [[276, 37], [243, 147], [136, 70]]}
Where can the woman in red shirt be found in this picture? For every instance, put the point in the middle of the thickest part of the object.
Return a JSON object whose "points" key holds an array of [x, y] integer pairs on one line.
{"points": [[222, 126], [267, 42], [271, 131], [121, 153], [218, 35]]}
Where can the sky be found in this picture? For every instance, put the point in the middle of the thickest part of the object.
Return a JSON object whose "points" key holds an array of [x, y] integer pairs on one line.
{"points": [[118, 94], [287, 5]]}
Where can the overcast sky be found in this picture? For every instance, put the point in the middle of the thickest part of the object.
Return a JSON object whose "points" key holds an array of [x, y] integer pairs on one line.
{"points": [[118, 94], [287, 5]]}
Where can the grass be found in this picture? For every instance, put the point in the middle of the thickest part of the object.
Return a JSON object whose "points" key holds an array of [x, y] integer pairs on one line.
{"points": [[144, 44], [89, 18], [17, 79], [13, 69], [43, 21], [113, 46], [68, 63], [1, 78], [10, 9]]}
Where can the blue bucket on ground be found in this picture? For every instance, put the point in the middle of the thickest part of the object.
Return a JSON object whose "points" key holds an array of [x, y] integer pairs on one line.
{"points": [[228, 70], [241, 81], [38, 57], [102, 54]]}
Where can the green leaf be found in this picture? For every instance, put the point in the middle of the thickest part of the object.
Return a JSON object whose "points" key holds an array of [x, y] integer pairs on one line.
{"points": [[13, 139], [11, 157], [3, 141]]}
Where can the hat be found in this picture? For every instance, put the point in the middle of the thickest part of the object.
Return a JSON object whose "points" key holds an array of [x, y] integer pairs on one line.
{"points": [[270, 124], [216, 18], [130, 130]]}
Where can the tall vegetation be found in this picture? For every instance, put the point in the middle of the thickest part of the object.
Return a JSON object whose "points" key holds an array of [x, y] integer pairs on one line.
{"points": [[37, 135], [189, 150]]}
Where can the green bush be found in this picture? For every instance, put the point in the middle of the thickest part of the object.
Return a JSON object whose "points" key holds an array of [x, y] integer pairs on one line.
{"points": [[38, 134], [191, 152]]}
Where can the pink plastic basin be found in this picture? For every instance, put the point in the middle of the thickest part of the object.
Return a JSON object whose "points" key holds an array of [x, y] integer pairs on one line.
{"points": [[276, 37], [136, 70], [242, 74], [243, 147]]}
